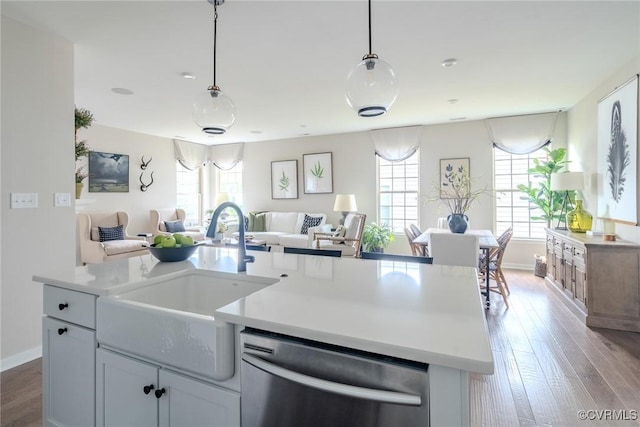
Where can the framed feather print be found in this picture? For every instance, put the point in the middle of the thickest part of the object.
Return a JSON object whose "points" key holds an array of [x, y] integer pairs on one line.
{"points": [[618, 154]]}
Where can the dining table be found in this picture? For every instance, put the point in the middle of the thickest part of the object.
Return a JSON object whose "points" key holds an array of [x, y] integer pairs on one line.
{"points": [[487, 241]]}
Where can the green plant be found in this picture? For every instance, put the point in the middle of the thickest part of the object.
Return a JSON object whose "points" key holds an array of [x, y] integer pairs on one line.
{"points": [[376, 236], [83, 119], [284, 182], [317, 170], [539, 192]]}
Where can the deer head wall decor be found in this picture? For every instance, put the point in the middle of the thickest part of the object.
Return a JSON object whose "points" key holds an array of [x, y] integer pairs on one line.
{"points": [[144, 164], [144, 186]]}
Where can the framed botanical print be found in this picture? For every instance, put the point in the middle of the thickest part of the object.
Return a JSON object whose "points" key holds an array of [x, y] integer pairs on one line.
{"points": [[318, 173], [284, 179], [454, 177]]}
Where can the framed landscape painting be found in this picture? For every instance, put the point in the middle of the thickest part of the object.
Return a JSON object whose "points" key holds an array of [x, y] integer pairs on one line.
{"points": [[318, 173], [284, 179], [618, 154], [108, 172]]}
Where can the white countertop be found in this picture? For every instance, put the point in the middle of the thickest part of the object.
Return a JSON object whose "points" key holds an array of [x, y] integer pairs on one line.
{"points": [[427, 313]]}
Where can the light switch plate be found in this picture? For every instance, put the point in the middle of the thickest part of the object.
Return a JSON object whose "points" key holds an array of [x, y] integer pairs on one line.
{"points": [[61, 200], [24, 200]]}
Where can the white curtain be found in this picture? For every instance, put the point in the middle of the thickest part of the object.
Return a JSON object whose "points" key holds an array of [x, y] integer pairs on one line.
{"points": [[190, 155], [226, 156], [396, 144], [522, 134]]}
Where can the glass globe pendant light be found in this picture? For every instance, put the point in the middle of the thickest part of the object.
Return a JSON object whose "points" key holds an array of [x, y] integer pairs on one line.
{"points": [[371, 86], [213, 110]]}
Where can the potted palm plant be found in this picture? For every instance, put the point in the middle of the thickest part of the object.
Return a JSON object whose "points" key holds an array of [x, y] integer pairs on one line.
{"points": [[376, 237], [83, 119]]}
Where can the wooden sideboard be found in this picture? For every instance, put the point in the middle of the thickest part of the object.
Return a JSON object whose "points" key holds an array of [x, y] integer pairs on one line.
{"points": [[599, 278]]}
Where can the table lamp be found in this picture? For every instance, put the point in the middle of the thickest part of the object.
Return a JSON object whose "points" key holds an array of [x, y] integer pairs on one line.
{"points": [[222, 197], [345, 203], [567, 181]]}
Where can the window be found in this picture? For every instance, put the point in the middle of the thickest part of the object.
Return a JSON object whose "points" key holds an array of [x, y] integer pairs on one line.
{"points": [[398, 189], [230, 181], [511, 209], [189, 194]]}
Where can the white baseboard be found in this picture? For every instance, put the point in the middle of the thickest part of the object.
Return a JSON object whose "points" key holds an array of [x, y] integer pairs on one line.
{"points": [[20, 358], [518, 266]]}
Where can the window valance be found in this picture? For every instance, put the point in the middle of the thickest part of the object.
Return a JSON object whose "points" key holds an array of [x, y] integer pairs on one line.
{"points": [[226, 156], [396, 144], [190, 155], [522, 134]]}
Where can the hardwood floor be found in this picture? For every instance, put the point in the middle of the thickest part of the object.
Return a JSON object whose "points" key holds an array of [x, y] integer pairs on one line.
{"points": [[21, 395], [548, 367]]}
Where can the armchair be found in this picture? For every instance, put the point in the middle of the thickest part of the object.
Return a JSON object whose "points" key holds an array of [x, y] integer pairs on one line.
{"points": [[93, 251], [350, 243], [159, 216]]}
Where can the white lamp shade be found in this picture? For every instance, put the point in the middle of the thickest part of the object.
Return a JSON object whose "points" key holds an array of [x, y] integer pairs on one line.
{"points": [[214, 112], [372, 87], [567, 181], [221, 198], [345, 203]]}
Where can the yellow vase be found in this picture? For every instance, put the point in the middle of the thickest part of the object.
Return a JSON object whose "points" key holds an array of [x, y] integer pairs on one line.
{"points": [[579, 220], [79, 186]]}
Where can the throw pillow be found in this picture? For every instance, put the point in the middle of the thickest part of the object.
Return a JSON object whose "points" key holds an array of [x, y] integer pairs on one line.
{"points": [[309, 221], [174, 226], [246, 223], [260, 222], [111, 233], [339, 231]]}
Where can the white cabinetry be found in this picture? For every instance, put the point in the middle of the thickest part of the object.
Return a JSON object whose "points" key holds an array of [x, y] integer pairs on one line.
{"points": [[134, 392], [68, 358]]}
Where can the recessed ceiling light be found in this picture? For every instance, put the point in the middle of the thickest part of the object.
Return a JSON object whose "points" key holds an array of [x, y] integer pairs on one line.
{"points": [[188, 76], [121, 91], [452, 101], [449, 62], [255, 131]]}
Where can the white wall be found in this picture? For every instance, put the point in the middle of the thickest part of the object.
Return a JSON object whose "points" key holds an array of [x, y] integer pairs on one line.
{"points": [[37, 157], [583, 127], [161, 194]]}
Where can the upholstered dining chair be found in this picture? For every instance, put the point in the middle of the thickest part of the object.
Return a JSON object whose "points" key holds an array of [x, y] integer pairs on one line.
{"points": [[454, 249]]}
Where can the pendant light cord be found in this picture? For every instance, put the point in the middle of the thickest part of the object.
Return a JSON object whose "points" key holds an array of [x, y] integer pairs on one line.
{"points": [[215, 29], [370, 28]]}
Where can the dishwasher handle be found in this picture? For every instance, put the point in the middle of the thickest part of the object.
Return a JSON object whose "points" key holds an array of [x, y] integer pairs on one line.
{"points": [[333, 387]]}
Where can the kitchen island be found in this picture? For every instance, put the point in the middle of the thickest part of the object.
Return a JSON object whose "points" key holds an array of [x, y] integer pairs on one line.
{"points": [[423, 313]]}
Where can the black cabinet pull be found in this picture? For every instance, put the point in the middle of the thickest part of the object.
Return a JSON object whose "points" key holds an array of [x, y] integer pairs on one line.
{"points": [[160, 392], [62, 331], [147, 389], [63, 306]]}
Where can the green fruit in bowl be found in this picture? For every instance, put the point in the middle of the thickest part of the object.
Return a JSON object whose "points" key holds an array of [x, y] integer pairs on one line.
{"points": [[179, 237], [158, 239], [158, 245], [168, 242], [187, 241]]}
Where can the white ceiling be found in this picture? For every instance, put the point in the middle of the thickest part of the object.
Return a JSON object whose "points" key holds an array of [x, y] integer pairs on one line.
{"points": [[284, 63]]}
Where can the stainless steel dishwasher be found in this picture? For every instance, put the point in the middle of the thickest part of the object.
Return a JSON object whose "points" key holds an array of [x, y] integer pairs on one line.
{"points": [[289, 381]]}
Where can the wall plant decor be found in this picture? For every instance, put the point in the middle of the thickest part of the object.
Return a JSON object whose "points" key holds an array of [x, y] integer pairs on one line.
{"points": [[452, 177], [108, 172], [617, 153], [318, 173], [284, 179]]}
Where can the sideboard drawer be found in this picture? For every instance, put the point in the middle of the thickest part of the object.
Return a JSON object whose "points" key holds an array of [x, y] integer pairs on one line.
{"points": [[71, 306]]}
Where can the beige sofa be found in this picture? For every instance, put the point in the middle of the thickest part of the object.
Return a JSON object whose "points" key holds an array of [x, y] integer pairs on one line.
{"points": [[93, 251], [159, 216], [284, 229]]}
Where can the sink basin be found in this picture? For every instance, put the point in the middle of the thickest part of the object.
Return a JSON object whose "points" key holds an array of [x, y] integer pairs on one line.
{"points": [[172, 321]]}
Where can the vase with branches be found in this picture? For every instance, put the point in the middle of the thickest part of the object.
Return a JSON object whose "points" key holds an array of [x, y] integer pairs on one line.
{"points": [[83, 119]]}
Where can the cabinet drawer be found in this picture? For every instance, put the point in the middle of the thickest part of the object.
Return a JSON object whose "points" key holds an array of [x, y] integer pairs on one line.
{"points": [[71, 306], [578, 252]]}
